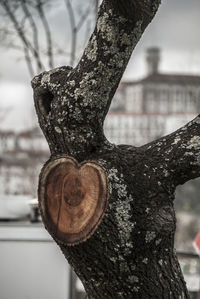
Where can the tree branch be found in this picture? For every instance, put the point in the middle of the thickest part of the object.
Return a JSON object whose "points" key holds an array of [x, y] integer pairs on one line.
{"points": [[39, 7], [82, 19], [108, 52], [28, 61], [21, 34], [179, 153], [75, 28], [33, 27], [73, 31], [87, 91]]}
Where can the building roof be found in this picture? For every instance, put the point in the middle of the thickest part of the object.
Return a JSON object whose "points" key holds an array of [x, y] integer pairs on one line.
{"points": [[168, 79], [4, 133], [34, 132]]}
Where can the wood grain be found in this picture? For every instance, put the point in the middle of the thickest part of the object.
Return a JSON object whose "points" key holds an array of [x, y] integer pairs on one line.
{"points": [[73, 198]]}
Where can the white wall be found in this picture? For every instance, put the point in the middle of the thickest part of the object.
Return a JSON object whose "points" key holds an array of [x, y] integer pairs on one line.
{"points": [[138, 129], [32, 266]]}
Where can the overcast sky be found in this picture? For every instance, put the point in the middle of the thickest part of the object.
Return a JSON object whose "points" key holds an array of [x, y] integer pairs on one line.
{"points": [[175, 29]]}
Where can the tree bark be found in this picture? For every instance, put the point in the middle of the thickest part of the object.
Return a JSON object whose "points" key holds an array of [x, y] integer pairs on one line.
{"points": [[130, 254]]}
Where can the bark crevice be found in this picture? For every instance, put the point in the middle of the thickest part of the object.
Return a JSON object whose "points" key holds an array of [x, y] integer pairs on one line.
{"points": [[44, 102]]}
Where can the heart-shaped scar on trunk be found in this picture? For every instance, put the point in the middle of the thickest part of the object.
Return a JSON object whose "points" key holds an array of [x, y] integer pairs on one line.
{"points": [[72, 198]]}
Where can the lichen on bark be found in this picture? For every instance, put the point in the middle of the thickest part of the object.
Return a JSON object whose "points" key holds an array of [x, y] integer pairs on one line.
{"points": [[131, 253]]}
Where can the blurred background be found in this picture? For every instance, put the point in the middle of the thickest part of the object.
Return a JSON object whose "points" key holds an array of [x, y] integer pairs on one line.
{"points": [[160, 92]]}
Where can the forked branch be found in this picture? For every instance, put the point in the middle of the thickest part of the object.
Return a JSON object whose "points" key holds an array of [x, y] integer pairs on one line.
{"points": [[82, 96]]}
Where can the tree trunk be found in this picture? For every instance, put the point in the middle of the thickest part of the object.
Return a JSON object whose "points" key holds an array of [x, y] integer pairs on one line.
{"points": [[125, 247]]}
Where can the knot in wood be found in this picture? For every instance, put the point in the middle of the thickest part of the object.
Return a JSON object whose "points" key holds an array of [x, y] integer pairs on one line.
{"points": [[73, 190]]}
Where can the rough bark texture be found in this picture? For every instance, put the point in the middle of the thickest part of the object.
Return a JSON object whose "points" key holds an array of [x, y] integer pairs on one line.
{"points": [[131, 254]]}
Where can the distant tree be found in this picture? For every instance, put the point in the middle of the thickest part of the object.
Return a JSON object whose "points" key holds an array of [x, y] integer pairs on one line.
{"points": [[4, 112], [110, 207], [28, 21]]}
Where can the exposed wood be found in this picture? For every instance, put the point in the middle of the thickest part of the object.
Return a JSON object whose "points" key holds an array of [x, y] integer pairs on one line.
{"points": [[73, 198], [131, 254]]}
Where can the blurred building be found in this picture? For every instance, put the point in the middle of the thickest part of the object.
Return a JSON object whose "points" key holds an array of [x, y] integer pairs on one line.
{"points": [[7, 141], [28, 140], [190, 265], [142, 111], [153, 106], [21, 157]]}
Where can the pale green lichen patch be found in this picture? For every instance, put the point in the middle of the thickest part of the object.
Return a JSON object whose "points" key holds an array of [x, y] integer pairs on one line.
{"points": [[92, 49], [189, 154], [147, 210], [104, 27], [133, 279], [194, 143], [122, 209], [58, 130], [145, 260], [45, 78], [72, 83], [176, 140], [158, 242], [122, 214], [125, 40], [113, 259], [89, 96], [150, 236], [160, 262], [166, 173]]}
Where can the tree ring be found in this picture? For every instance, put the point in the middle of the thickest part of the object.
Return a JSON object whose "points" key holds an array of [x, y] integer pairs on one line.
{"points": [[72, 198]]}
